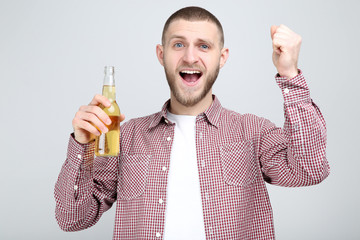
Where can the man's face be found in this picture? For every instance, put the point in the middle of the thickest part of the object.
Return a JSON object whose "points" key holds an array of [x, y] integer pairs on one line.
{"points": [[192, 57]]}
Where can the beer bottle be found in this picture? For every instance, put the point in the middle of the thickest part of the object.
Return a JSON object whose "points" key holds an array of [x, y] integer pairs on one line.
{"points": [[108, 144]]}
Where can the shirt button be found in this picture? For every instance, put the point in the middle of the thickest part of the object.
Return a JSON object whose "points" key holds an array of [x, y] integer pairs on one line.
{"points": [[161, 201], [203, 163], [79, 156], [200, 135], [76, 187], [166, 121], [158, 234], [286, 90], [168, 139], [164, 168]]}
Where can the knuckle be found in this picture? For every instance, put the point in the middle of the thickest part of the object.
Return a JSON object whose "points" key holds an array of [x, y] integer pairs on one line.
{"points": [[82, 108], [87, 126], [77, 123], [93, 108], [90, 116], [77, 115], [74, 122], [81, 124], [90, 108]]}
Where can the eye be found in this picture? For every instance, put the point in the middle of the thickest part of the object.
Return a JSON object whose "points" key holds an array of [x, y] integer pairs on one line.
{"points": [[204, 46], [178, 45]]}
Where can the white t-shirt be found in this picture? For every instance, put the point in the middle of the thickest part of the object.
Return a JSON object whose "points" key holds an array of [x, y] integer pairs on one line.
{"points": [[184, 217]]}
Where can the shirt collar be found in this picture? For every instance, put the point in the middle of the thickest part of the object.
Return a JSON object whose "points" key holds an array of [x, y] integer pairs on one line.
{"points": [[212, 114]]}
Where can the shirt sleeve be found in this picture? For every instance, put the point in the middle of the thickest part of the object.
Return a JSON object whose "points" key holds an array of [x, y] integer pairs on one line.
{"points": [[295, 155], [86, 187]]}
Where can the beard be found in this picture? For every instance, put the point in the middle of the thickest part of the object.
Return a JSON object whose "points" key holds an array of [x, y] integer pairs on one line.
{"points": [[187, 97]]}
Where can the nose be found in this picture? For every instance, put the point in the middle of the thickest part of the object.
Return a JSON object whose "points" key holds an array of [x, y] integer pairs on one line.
{"points": [[190, 55]]}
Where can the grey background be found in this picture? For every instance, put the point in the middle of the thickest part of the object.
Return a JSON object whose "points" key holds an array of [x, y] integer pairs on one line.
{"points": [[52, 55]]}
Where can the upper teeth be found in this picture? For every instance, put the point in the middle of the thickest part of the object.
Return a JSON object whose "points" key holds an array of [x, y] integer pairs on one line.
{"points": [[190, 72]]}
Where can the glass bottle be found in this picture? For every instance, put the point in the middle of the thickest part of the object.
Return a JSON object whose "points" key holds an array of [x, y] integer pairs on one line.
{"points": [[108, 144]]}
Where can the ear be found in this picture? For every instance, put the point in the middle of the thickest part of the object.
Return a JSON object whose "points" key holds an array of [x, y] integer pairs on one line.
{"points": [[224, 56], [160, 53]]}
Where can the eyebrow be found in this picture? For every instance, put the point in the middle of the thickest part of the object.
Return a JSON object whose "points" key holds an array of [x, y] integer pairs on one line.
{"points": [[183, 38], [176, 37]]}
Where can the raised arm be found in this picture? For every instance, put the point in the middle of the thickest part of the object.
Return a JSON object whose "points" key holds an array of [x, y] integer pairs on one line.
{"points": [[294, 155], [86, 186]]}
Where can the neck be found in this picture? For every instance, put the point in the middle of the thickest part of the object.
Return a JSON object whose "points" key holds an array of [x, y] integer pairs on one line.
{"points": [[200, 107]]}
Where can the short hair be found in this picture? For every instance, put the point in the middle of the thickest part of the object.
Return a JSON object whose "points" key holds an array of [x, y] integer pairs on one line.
{"points": [[193, 14]]}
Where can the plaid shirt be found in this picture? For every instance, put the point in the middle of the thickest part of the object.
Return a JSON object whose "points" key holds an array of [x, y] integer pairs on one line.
{"points": [[235, 154]]}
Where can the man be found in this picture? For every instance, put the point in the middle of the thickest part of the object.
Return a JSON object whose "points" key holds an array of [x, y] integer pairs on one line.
{"points": [[194, 170]]}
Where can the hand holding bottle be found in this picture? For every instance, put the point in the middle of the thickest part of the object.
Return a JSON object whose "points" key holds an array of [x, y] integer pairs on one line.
{"points": [[91, 118]]}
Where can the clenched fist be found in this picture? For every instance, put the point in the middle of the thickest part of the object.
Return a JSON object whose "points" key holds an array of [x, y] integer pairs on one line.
{"points": [[286, 49]]}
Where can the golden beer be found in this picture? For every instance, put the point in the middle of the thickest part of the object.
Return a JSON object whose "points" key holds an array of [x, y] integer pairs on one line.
{"points": [[108, 144]]}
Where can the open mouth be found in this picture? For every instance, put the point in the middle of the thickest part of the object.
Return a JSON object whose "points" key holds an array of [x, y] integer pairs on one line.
{"points": [[190, 76]]}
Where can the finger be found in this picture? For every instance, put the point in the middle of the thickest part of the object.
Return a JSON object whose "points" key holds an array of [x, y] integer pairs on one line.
{"points": [[94, 114], [280, 39], [96, 111], [285, 28], [100, 99], [273, 31], [84, 125], [92, 119], [122, 117], [286, 32], [286, 41], [280, 44]]}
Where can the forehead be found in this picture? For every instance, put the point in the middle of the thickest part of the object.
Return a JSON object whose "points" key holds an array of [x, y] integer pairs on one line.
{"points": [[192, 30]]}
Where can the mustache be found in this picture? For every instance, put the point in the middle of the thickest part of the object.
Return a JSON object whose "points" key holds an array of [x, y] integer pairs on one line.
{"points": [[193, 66]]}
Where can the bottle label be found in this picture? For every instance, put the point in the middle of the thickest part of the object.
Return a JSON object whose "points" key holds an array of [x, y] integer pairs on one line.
{"points": [[102, 144]]}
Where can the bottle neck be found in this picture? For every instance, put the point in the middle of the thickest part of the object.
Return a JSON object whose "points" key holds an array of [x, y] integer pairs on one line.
{"points": [[109, 92], [109, 79], [109, 84]]}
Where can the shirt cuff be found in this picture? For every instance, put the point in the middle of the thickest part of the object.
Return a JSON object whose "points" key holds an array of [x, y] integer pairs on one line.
{"points": [[80, 155], [294, 90]]}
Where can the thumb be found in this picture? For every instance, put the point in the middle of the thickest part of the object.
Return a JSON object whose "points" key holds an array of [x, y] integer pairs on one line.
{"points": [[273, 30]]}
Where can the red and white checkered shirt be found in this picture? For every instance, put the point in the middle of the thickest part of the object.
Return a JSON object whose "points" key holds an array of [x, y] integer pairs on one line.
{"points": [[235, 154]]}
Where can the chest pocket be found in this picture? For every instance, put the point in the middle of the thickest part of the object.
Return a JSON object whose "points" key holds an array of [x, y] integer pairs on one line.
{"points": [[133, 175], [238, 164]]}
